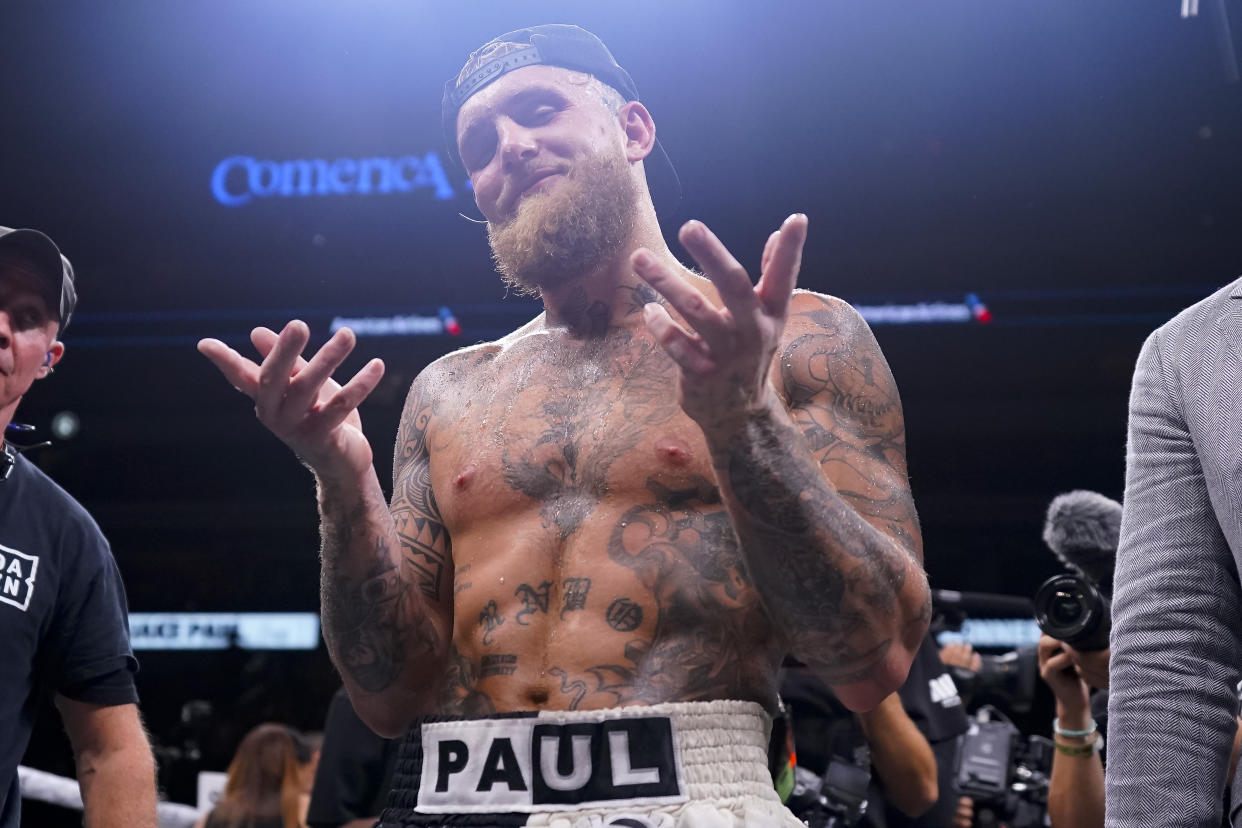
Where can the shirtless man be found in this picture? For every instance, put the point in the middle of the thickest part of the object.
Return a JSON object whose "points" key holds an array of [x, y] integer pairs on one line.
{"points": [[620, 516]]}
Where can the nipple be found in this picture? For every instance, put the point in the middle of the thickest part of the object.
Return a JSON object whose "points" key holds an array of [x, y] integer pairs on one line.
{"points": [[672, 451]]}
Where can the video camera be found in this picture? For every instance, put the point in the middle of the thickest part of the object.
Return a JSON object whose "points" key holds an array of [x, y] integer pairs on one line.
{"points": [[1005, 679], [1069, 608], [1005, 775], [838, 799], [1082, 529]]}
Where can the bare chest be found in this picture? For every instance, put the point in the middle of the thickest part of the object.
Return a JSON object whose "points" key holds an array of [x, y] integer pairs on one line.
{"points": [[556, 432]]}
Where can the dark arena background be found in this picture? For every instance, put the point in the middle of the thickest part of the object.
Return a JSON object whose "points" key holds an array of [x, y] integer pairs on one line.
{"points": [[1014, 193]]}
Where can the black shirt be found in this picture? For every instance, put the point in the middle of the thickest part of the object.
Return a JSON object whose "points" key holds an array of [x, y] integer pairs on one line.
{"points": [[64, 625], [355, 769], [932, 703], [824, 728]]}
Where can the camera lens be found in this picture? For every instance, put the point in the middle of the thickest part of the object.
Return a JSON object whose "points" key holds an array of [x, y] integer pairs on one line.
{"points": [[1069, 608], [1066, 608]]}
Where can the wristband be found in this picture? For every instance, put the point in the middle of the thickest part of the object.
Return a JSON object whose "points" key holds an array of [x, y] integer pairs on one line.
{"points": [[1081, 751], [1073, 734]]}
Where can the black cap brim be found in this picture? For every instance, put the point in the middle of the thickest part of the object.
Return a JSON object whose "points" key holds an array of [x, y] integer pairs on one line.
{"points": [[54, 270], [569, 47]]}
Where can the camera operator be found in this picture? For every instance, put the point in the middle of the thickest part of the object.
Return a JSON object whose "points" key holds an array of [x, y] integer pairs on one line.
{"points": [[1001, 774], [1076, 791], [907, 744], [1082, 530]]}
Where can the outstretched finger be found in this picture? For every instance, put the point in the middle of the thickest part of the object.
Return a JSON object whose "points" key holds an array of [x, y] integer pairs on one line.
{"points": [[688, 300], [264, 339], [308, 384], [242, 373], [768, 247], [278, 365], [780, 273], [684, 349], [346, 400], [727, 274]]}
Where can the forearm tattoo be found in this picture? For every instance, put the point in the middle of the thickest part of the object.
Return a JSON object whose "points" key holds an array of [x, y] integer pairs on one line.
{"points": [[827, 557], [790, 517], [382, 568], [364, 619]]}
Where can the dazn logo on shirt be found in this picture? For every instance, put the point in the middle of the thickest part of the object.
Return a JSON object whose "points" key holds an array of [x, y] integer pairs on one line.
{"points": [[17, 577]]}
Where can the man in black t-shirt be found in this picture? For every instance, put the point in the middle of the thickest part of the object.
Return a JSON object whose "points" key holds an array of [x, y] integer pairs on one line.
{"points": [[910, 741], [930, 699], [63, 619], [354, 773]]}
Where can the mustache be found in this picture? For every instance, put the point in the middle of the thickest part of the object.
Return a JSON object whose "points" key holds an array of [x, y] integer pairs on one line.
{"points": [[520, 183]]}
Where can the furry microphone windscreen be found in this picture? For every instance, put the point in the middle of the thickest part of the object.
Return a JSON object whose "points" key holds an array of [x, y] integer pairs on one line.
{"points": [[1082, 529]]}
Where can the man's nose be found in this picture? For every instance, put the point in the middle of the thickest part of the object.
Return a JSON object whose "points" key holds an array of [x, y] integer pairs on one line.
{"points": [[517, 143]]}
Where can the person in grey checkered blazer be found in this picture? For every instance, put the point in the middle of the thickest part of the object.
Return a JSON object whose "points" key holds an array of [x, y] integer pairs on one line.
{"points": [[1177, 603]]}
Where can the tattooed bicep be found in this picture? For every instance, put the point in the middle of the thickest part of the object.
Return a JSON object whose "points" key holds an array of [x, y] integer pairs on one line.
{"points": [[411, 446], [837, 382], [844, 400], [416, 515]]}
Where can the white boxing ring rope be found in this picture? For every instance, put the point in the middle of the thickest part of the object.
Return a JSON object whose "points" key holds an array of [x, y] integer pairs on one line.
{"points": [[64, 792]]}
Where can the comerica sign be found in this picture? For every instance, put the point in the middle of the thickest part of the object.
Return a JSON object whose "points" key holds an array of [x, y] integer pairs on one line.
{"points": [[239, 179]]}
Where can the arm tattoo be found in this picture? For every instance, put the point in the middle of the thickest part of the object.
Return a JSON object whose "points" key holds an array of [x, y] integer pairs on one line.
{"points": [[415, 513], [843, 400], [366, 620], [382, 567], [827, 555], [790, 512]]}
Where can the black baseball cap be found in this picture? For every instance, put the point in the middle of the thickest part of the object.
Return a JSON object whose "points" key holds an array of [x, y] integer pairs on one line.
{"points": [[552, 44], [52, 268]]}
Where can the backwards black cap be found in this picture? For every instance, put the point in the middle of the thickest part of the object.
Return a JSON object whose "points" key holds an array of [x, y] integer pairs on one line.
{"points": [[54, 271], [552, 44]]}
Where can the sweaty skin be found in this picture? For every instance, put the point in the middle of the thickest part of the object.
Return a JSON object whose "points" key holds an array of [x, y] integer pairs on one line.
{"points": [[651, 492], [592, 561]]}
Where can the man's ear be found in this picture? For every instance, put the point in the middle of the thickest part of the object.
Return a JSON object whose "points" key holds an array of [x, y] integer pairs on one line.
{"points": [[54, 355], [639, 130]]}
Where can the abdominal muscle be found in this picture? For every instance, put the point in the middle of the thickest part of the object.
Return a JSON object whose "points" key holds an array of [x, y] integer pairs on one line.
{"points": [[560, 625]]}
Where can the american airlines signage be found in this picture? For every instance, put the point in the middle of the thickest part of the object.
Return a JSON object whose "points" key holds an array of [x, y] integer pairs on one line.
{"points": [[239, 179]]}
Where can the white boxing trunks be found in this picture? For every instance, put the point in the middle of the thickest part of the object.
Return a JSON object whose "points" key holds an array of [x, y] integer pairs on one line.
{"points": [[675, 765]]}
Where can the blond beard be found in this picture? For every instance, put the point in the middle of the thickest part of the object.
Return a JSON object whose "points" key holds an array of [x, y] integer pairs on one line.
{"points": [[559, 236]]}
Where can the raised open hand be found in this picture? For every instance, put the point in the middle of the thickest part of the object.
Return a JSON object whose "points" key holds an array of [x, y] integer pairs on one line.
{"points": [[724, 353], [298, 400]]}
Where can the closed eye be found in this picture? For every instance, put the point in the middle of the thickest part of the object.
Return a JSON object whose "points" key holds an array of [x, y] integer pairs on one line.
{"points": [[528, 108], [478, 147], [539, 115]]}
